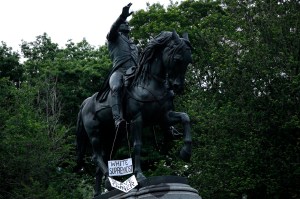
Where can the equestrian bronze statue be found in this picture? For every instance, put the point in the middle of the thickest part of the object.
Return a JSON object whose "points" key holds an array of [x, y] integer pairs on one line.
{"points": [[147, 101]]}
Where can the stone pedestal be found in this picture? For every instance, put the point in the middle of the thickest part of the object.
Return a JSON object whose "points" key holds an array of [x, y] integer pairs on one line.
{"points": [[162, 187]]}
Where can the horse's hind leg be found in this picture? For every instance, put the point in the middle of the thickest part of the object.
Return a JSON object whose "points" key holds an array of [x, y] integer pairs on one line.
{"points": [[97, 187], [98, 159], [177, 117], [136, 129], [82, 141]]}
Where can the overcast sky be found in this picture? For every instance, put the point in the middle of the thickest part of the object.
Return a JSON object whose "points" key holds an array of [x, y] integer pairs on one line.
{"points": [[62, 19]]}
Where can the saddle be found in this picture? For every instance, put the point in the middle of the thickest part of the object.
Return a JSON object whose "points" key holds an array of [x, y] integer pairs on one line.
{"points": [[129, 76], [127, 79], [100, 98]]}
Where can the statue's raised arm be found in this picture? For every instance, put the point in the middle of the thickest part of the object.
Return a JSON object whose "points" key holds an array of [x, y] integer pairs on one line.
{"points": [[114, 30], [125, 11]]}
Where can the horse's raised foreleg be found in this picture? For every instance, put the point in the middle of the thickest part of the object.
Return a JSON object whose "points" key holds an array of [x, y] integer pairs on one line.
{"points": [[177, 117], [136, 129]]}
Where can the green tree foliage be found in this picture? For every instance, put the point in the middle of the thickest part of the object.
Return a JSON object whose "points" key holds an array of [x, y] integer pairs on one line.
{"points": [[31, 158], [38, 118], [57, 71], [9, 64]]}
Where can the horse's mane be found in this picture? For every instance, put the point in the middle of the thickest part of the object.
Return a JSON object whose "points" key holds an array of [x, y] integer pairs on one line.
{"points": [[149, 54]]}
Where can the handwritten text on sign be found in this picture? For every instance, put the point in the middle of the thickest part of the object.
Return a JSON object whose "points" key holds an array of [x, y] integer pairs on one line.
{"points": [[126, 186], [120, 167]]}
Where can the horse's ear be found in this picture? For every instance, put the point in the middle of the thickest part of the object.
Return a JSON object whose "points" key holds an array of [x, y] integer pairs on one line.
{"points": [[185, 36], [175, 36]]}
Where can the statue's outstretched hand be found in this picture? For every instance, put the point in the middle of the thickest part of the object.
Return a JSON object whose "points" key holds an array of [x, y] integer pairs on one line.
{"points": [[125, 11]]}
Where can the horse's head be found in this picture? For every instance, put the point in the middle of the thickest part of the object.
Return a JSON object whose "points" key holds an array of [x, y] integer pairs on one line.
{"points": [[165, 58], [176, 58]]}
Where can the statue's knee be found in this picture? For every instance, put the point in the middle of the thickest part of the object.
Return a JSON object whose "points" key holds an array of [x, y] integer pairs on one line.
{"points": [[115, 89]]}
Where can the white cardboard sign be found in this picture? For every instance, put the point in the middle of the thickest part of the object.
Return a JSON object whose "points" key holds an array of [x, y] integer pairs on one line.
{"points": [[120, 167], [126, 186]]}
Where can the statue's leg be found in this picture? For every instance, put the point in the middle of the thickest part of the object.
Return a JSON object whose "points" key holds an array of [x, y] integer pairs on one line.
{"points": [[116, 83], [177, 117], [136, 129]]}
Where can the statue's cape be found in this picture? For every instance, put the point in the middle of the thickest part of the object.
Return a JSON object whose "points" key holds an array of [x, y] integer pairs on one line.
{"points": [[104, 90]]}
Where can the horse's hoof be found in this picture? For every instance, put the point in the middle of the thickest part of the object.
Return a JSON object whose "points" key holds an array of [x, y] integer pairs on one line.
{"points": [[107, 185], [96, 194], [185, 154], [140, 177]]}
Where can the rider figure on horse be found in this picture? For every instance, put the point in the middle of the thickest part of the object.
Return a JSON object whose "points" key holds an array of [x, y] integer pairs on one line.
{"points": [[124, 54]]}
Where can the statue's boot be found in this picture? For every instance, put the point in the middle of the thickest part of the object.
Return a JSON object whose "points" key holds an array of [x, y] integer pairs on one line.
{"points": [[120, 123]]}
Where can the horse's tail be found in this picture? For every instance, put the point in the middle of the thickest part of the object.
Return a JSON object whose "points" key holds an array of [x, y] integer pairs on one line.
{"points": [[81, 140]]}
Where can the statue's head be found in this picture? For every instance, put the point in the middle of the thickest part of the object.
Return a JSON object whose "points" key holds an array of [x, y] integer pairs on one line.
{"points": [[124, 27]]}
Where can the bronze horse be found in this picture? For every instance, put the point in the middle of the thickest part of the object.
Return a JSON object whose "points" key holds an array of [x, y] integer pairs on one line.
{"points": [[147, 101]]}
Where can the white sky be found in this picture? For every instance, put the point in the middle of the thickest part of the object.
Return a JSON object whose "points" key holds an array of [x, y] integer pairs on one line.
{"points": [[62, 19]]}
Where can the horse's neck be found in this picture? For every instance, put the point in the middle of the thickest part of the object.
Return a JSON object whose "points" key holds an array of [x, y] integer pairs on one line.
{"points": [[157, 70], [154, 78], [155, 85]]}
